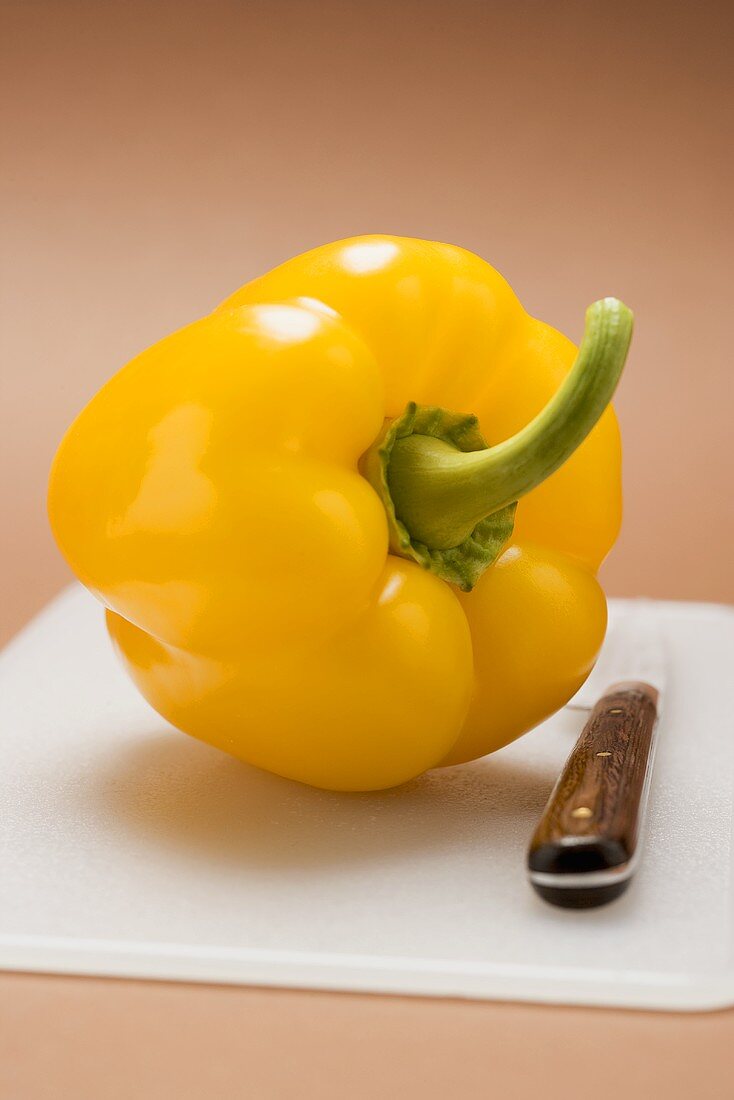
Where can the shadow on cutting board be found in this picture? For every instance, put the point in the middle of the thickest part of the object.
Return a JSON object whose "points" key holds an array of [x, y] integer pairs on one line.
{"points": [[202, 805]]}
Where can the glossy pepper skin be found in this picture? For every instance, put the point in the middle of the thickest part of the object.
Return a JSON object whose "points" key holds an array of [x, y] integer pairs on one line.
{"points": [[211, 496]]}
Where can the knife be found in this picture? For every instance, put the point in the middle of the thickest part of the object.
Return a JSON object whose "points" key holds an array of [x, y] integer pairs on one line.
{"points": [[585, 850]]}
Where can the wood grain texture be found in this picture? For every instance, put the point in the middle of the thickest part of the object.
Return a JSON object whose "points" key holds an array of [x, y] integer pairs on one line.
{"points": [[592, 819]]}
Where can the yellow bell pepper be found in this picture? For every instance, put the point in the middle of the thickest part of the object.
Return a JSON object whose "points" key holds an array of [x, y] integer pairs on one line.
{"points": [[309, 556]]}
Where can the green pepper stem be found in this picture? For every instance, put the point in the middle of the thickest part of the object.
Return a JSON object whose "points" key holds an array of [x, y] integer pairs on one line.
{"points": [[441, 493]]}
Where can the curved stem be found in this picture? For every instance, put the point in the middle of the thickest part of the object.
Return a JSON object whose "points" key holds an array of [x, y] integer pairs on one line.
{"points": [[441, 493]]}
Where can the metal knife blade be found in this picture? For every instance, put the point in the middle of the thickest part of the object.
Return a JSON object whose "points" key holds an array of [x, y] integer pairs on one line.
{"points": [[586, 847], [633, 650]]}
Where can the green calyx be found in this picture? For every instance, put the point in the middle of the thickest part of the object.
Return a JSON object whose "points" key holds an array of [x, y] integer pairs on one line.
{"points": [[449, 498], [463, 563]]}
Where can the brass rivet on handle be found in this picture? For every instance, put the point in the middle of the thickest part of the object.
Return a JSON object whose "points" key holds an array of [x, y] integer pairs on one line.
{"points": [[582, 811]]}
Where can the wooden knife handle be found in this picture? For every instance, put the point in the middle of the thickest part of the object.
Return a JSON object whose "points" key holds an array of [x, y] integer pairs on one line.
{"points": [[582, 853]]}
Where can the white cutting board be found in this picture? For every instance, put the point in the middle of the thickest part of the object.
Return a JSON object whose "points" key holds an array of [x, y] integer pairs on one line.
{"points": [[130, 849]]}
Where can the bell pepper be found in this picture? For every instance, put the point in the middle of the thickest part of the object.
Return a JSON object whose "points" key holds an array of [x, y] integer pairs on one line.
{"points": [[301, 513]]}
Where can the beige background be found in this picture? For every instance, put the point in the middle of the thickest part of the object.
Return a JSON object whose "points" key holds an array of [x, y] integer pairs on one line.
{"points": [[158, 155], [62, 1039]]}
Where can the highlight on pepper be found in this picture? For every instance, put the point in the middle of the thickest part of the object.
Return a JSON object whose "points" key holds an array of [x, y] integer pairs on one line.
{"points": [[347, 526]]}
